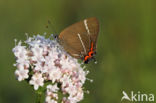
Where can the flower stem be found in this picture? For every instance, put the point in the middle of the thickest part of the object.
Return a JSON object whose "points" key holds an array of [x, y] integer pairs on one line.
{"points": [[38, 97]]}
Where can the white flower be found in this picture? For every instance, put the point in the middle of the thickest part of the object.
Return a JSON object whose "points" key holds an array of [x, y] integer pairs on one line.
{"points": [[48, 67], [38, 66], [53, 54], [71, 89], [20, 53], [82, 75], [76, 98], [37, 53], [51, 93], [66, 63], [21, 74], [55, 74], [50, 100], [37, 80], [47, 61], [79, 96], [52, 88], [65, 80]]}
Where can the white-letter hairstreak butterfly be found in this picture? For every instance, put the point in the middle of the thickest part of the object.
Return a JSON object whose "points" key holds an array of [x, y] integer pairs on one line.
{"points": [[79, 39]]}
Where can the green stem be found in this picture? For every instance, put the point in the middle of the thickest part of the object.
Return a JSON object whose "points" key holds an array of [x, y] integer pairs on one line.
{"points": [[38, 97]]}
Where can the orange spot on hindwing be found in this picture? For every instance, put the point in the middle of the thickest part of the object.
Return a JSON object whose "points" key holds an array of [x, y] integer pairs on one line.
{"points": [[90, 54]]}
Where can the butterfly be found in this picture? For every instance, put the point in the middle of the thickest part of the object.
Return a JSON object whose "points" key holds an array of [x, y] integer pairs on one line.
{"points": [[80, 39]]}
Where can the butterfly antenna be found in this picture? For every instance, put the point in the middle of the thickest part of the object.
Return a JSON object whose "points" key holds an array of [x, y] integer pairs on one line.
{"points": [[51, 26]]}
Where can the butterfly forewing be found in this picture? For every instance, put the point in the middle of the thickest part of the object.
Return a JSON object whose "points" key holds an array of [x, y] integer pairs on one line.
{"points": [[76, 39]]}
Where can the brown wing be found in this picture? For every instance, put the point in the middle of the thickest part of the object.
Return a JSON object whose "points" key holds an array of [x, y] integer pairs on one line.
{"points": [[76, 39], [93, 26]]}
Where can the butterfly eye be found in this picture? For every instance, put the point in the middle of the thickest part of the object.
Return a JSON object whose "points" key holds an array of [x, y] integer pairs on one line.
{"points": [[55, 36]]}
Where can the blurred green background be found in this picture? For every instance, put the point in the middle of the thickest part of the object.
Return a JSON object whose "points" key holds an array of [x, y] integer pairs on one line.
{"points": [[126, 45]]}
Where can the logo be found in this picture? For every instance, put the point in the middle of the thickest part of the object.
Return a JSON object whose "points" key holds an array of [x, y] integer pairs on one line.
{"points": [[140, 97]]}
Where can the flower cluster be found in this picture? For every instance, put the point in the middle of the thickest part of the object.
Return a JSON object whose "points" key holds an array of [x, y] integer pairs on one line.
{"points": [[40, 61]]}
